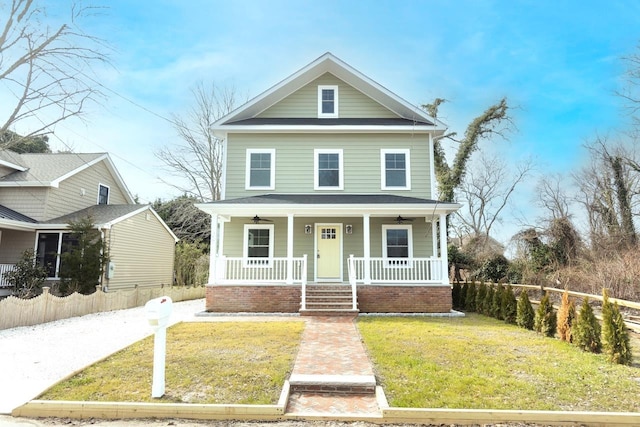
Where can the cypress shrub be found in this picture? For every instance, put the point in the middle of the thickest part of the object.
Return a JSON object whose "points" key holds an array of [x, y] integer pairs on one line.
{"points": [[480, 294], [470, 298], [488, 300], [587, 330], [463, 295], [509, 306], [615, 337], [455, 295], [566, 317], [545, 322], [525, 314], [496, 302]]}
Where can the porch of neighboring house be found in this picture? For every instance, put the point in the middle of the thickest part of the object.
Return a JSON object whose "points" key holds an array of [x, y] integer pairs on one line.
{"points": [[329, 264], [13, 242]]}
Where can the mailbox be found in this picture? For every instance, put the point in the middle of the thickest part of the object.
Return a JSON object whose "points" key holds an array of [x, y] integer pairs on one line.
{"points": [[158, 311]]}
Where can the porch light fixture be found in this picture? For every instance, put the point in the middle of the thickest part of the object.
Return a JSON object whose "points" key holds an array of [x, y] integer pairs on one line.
{"points": [[348, 229], [307, 229]]}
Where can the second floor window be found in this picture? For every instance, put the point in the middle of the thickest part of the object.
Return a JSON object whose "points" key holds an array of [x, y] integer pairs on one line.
{"points": [[327, 101], [103, 195], [394, 165], [328, 170], [260, 169]]}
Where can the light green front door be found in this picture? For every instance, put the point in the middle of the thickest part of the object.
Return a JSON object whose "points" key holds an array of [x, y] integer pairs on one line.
{"points": [[328, 252]]}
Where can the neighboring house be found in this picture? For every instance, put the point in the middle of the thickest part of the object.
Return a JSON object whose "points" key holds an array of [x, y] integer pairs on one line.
{"points": [[328, 180], [41, 193]]}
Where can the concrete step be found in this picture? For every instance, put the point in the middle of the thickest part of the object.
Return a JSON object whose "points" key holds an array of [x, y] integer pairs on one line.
{"points": [[328, 312], [352, 384]]}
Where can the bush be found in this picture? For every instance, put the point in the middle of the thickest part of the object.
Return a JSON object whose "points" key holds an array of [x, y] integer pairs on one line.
{"points": [[545, 321], [525, 314], [480, 294], [615, 337], [509, 306], [463, 294], [587, 331], [495, 268], [470, 298], [488, 300], [566, 318], [496, 302], [456, 289], [191, 264], [27, 277]]}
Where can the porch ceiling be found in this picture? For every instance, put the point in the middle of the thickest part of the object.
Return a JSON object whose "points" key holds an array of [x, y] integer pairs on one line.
{"points": [[351, 205]]}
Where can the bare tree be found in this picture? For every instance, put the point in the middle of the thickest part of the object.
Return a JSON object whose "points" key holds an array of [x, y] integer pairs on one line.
{"points": [[485, 192], [198, 158], [44, 69], [551, 196]]}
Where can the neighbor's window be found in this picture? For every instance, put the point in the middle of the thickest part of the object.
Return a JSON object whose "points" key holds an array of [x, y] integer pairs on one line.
{"points": [[258, 244], [397, 244], [328, 167], [395, 169], [260, 169], [327, 101], [103, 195], [49, 248]]}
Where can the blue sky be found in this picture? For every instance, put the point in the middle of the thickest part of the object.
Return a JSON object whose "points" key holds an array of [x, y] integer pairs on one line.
{"points": [[558, 63]]}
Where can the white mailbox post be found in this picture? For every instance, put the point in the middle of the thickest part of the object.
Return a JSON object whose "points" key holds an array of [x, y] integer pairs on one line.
{"points": [[158, 312]]}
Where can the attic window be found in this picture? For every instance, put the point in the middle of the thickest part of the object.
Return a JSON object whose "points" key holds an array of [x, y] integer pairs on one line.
{"points": [[103, 195], [327, 102]]}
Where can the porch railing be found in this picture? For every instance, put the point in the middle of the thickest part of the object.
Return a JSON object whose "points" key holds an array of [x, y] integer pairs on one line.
{"points": [[395, 270], [261, 270], [3, 269]]}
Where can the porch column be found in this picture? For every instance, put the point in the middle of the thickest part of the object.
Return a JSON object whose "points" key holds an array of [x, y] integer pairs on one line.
{"points": [[213, 252], [366, 233], [289, 249], [443, 249]]}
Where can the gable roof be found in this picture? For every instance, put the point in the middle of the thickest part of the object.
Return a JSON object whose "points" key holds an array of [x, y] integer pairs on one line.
{"points": [[10, 214], [50, 169], [327, 63]]}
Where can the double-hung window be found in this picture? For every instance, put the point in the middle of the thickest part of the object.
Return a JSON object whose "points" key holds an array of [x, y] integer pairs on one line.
{"points": [[260, 169], [328, 169], [258, 244], [327, 102], [395, 169], [103, 194], [397, 245]]}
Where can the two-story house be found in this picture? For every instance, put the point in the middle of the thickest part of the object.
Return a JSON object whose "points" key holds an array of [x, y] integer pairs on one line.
{"points": [[328, 190], [41, 193]]}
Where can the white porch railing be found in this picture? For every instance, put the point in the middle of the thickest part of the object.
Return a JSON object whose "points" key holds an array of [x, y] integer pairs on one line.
{"points": [[395, 270], [3, 269], [261, 270]]}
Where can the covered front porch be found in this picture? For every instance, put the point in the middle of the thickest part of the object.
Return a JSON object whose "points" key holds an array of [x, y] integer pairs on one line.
{"points": [[380, 243]]}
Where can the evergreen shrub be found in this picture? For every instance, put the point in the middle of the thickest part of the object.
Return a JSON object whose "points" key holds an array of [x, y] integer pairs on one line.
{"points": [[587, 330], [566, 317], [545, 320]]}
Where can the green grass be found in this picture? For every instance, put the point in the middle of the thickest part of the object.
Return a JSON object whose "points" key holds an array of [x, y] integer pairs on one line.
{"points": [[209, 362], [477, 362]]}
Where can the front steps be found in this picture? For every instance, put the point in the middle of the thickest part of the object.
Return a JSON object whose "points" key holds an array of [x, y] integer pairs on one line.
{"points": [[329, 300]]}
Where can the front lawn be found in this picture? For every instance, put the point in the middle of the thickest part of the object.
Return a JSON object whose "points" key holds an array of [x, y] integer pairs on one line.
{"points": [[208, 362], [476, 362]]}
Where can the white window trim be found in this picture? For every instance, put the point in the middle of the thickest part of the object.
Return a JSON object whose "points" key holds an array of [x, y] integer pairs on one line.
{"points": [[389, 261], [58, 250], [245, 245], [272, 178], [335, 113], [108, 193], [316, 153], [383, 168]]}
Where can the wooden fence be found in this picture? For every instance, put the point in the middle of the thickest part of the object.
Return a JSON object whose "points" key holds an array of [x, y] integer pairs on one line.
{"points": [[46, 307]]}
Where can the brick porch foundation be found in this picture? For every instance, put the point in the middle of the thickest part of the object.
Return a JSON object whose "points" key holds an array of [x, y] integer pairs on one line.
{"points": [[286, 299], [404, 299]]}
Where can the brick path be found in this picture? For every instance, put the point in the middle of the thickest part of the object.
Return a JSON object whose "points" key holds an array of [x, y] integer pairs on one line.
{"points": [[331, 355]]}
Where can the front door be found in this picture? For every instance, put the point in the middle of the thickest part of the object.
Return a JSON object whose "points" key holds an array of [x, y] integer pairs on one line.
{"points": [[329, 252]]}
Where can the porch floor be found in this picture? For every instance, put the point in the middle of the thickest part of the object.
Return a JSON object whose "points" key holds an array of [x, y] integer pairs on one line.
{"points": [[332, 373]]}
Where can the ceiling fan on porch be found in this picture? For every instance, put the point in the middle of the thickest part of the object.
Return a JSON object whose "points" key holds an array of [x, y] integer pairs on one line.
{"points": [[256, 219], [400, 219]]}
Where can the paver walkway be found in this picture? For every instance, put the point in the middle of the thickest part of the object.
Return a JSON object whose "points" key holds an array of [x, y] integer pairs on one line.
{"points": [[331, 352]]}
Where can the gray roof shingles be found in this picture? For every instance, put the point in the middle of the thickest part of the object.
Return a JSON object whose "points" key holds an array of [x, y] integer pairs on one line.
{"points": [[100, 214], [46, 167], [6, 213]]}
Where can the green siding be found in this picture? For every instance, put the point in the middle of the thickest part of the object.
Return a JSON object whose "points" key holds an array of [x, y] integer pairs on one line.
{"points": [[305, 243], [294, 162], [351, 102]]}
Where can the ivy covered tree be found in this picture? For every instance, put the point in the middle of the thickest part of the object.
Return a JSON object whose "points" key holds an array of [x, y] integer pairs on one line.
{"points": [[587, 331], [83, 258]]}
